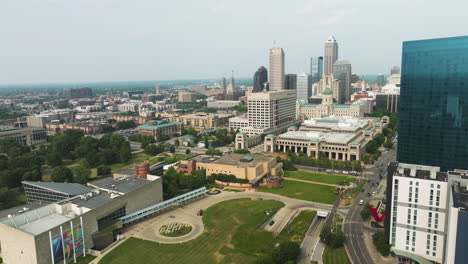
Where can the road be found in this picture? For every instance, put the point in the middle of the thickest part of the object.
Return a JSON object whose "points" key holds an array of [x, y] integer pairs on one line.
{"points": [[353, 227], [310, 243]]}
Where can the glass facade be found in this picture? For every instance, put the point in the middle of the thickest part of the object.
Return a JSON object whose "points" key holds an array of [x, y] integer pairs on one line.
{"points": [[316, 68], [433, 128], [37, 194]]}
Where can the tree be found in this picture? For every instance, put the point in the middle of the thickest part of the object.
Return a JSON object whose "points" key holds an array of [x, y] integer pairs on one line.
{"points": [[242, 151], [172, 149], [103, 170], [125, 153], [187, 151], [333, 238], [206, 141], [81, 174], [62, 174], [388, 144], [287, 251], [213, 151], [53, 159], [365, 212], [381, 244], [154, 149], [126, 124], [176, 142]]}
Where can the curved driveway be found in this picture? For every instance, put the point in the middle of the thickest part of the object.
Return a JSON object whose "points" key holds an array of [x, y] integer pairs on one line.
{"points": [[188, 215]]}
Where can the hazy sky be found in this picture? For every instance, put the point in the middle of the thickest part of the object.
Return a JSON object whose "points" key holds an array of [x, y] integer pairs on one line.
{"points": [[108, 40]]}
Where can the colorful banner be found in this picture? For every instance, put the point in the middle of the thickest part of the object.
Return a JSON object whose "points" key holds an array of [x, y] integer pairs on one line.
{"points": [[57, 249], [68, 244], [78, 234]]}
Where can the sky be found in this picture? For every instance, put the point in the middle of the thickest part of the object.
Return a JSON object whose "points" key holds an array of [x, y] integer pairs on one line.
{"points": [[45, 41]]}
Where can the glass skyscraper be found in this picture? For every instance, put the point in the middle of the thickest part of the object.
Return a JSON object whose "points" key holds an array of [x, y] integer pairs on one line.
{"points": [[316, 68], [433, 128]]}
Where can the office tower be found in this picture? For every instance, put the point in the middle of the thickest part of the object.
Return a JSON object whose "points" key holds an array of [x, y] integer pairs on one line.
{"points": [[304, 89], [158, 89], [260, 79], [84, 92], [271, 109], [434, 103], [230, 87], [328, 81], [342, 72], [380, 80], [276, 69], [223, 84], [395, 70], [316, 68], [331, 54], [290, 81]]}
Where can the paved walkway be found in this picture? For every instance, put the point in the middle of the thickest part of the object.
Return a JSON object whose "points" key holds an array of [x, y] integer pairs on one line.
{"points": [[314, 182], [149, 230]]}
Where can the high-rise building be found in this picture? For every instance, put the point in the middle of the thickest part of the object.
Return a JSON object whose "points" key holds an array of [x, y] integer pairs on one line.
{"points": [[342, 72], [380, 80], [223, 84], [272, 109], [84, 92], [260, 79], [230, 87], [276, 69], [290, 81], [316, 68], [158, 89], [304, 88], [434, 103], [395, 70], [331, 54], [328, 81]]}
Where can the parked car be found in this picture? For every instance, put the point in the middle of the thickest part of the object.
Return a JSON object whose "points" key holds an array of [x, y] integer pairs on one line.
{"points": [[361, 202], [373, 193], [272, 222]]}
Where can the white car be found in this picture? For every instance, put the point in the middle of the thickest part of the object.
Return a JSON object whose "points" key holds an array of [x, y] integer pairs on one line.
{"points": [[361, 202], [373, 193]]}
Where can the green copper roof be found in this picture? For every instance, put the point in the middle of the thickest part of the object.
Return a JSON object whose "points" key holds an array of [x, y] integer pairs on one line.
{"points": [[354, 143], [157, 124], [378, 123], [328, 91], [314, 140], [292, 127], [341, 106], [241, 133], [309, 105], [270, 135], [368, 131]]}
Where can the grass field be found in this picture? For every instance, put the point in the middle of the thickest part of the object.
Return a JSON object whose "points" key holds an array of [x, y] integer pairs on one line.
{"points": [[295, 231], [319, 177], [84, 260], [231, 236], [305, 191], [353, 194], [335, 256]]}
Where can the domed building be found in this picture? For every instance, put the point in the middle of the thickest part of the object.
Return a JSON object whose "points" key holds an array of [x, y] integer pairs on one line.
{"points": [[328, 107]]}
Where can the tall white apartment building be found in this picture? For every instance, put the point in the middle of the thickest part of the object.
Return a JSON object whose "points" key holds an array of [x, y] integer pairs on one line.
{"points": [[276, 70], [418, 213]]}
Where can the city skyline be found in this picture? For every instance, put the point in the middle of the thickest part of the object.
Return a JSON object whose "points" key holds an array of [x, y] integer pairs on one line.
{"points": [[151, 42]]}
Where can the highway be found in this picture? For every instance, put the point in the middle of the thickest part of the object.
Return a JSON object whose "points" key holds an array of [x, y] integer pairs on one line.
{"points": [[353, 227]]}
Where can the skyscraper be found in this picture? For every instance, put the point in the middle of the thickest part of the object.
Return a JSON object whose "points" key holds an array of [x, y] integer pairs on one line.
{"points": [[380, 80], [223, 84], [342, 72], [260, 79], [395, 70], [304, 89], [331, 54], [276, 69], [290, 81], [316, 68], [434, 103], [230, 87], [158, 89]]}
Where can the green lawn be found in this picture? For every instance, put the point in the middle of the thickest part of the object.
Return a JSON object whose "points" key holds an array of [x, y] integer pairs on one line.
{"points": [[136, 158], [305, 191], [231, 236], [335, 256], [84, 260], [296, 230], [319, 177]]}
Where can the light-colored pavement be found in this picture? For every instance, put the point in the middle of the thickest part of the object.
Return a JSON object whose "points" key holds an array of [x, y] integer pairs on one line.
{"points": [[306, 181], [309, 248]]}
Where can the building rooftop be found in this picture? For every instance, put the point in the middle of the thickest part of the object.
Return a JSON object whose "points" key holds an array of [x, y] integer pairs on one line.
{"points": [[342, 138], [336, 123], [241, 160], [121, 185], [155, 124], [70, 189]]}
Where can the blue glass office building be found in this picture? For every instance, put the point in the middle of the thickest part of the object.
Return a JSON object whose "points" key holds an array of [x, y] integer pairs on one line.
{"points": [[433, 128], [316, 68]]}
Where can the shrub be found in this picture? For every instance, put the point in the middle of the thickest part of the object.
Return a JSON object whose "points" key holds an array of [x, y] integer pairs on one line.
{"points": [[381, 243], [365, 213]]}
